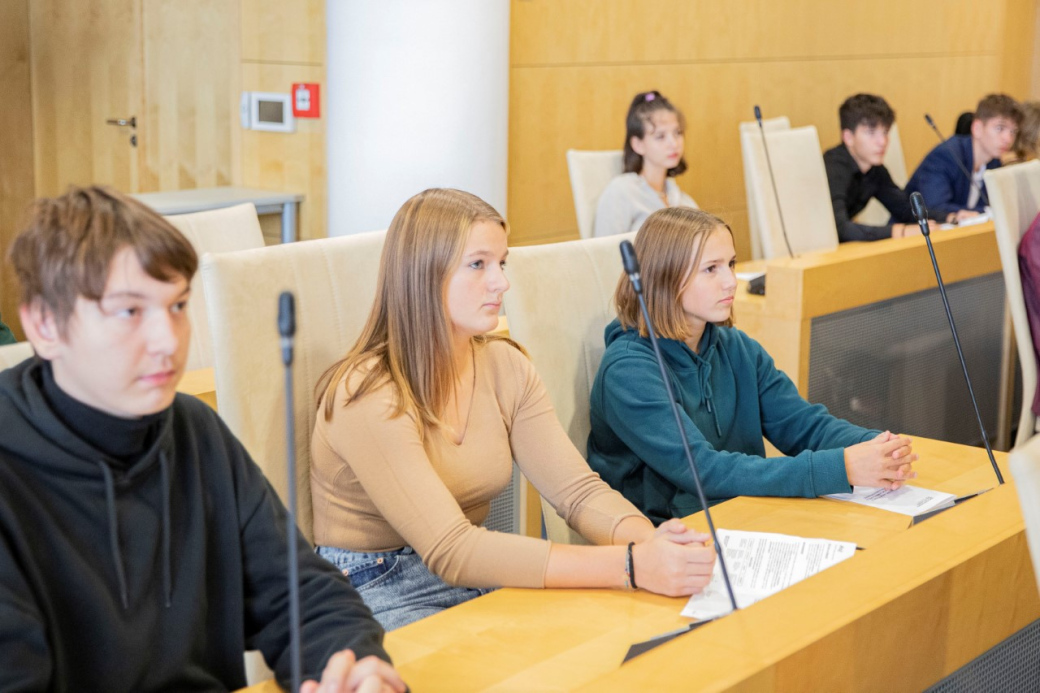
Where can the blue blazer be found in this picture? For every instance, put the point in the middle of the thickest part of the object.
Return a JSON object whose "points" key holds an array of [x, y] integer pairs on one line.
{"points": [[941, 181]]}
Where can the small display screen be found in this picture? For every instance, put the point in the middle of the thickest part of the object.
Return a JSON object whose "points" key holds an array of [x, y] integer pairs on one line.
{"points": [[271, 111]]}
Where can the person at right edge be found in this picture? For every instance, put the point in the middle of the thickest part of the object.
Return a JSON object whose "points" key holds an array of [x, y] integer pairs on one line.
{"points": [[856, 172]]}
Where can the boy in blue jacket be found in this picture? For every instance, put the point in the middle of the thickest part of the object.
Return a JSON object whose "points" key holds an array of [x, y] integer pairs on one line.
{"points": [[729, 392], [940, 178]]}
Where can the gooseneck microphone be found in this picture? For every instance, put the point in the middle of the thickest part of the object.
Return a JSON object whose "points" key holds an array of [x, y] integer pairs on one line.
{"points": [[631, 265], [921, 215], [287, 330], [957, 159], [772, 179]]}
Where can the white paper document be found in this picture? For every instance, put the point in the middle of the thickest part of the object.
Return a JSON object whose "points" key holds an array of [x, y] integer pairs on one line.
{"points": [[970, 221], [748, 276], [761, 564], [909, 500]]}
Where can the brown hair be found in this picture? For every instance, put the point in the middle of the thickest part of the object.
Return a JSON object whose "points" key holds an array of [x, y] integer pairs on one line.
{"points": [[1027, 142], [997, 106], [865, 109], [669, 243], [407, 339], [640, 121], [66, 248]]}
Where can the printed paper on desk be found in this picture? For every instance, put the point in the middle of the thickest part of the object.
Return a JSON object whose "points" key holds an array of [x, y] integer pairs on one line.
{"points": [[761, 564], [909, 500]]}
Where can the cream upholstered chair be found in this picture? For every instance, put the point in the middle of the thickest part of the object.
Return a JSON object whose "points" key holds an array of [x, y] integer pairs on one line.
{"points": [[801, 185], [334, 281], [1024, 461], [1014, 195], [746, 130], [216, 231], [590, 173], [13, 354], [558, 305], [875, 214]]}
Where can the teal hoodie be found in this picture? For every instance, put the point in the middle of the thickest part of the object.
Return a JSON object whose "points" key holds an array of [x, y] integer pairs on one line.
{"points": [[730, 395], [5, 334]]}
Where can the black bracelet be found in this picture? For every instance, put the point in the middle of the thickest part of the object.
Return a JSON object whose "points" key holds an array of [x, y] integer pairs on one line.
{"points": [[630, 567]]}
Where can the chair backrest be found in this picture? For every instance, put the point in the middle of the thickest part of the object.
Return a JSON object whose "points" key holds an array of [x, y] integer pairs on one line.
{"points": [[216, 231], [875, 214], [13, 354], [801, 185], [1014, 196], [334, 281], [590, 173], [1024, 462], [558, 305], [747, 128]]}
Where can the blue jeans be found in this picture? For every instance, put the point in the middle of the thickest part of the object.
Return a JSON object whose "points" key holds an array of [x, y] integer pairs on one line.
{"points": [[396, 585]]}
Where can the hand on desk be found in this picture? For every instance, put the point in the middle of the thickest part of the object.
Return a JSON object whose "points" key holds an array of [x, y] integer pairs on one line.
{"points": [[674, 562], [885, 462], [343, 674]]}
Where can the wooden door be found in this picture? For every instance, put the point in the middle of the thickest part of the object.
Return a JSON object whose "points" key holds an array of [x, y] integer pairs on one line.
{"points": [[86, 69]]}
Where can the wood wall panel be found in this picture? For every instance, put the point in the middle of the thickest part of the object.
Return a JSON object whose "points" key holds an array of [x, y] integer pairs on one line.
{"points": [[86, 67], [283, 41], [555, 32], [283, 31], [190, 68], [288, 161], [16, 144], [575, 66]]}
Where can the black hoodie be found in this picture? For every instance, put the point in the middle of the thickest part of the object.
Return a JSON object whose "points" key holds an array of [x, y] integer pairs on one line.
{"points": [[155, 574]]}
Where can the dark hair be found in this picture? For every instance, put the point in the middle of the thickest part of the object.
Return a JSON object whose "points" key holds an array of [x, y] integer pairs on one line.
{"points": [[640, 116], [998, 106], [964, 121], [67, 247], [865, 109]]}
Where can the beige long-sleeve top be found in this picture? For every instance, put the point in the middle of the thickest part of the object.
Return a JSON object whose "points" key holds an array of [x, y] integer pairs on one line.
{"points": [[377, 485]]}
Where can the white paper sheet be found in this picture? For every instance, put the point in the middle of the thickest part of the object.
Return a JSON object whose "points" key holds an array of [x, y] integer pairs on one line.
{"points": [[909, 500], [761, 564], [748, 276], [970, 221]]}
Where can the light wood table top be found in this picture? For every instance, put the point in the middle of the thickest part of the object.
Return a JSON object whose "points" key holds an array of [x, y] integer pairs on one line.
{"points": [[200, 383], [912, 607]]}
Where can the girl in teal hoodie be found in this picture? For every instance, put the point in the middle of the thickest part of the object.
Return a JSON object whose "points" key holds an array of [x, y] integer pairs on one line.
{"points": [[730, 394]]}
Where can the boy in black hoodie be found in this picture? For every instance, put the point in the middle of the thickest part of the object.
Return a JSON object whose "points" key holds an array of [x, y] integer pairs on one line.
{"points": [[141, 549]]}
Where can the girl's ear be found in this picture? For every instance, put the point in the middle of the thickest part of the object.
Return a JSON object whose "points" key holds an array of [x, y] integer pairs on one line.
{"points": [[637, 145]]}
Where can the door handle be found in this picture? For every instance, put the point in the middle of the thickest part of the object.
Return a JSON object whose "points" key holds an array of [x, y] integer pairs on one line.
{"points": [[122, 122]]}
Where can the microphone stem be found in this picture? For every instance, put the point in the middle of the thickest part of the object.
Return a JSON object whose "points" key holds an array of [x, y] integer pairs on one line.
{"points": [[686, 448], [960, 354], [290, 529]]}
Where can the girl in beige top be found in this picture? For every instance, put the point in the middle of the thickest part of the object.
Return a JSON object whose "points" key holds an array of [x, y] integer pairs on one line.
{"points": [[418, 427]]}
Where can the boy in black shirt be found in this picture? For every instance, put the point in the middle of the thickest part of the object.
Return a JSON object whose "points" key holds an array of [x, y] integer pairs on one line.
{"points": [[141, 549], [856, 172]]}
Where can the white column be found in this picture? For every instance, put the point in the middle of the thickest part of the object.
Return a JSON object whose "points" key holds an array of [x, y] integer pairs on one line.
{"points": [[418, 97]]}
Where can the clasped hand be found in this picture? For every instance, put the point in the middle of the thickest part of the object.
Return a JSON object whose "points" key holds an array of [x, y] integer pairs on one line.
{"points": [[886, 461], [344, 674], [676, 561]]}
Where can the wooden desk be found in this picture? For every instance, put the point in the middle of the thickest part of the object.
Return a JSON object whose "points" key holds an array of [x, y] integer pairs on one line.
{"points": [[914, 606], [175, 202], [854, 323]]}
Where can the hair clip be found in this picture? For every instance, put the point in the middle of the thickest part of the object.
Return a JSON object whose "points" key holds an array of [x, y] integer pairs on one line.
{"points": [[649, 96]]}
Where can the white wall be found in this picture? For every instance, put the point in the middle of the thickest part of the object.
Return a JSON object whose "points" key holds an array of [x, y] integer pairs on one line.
{"points": [[418, 97]]}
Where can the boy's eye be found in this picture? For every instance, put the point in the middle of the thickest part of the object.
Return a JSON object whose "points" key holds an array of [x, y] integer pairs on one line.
{"points": [[128, 312], [179, 306]]}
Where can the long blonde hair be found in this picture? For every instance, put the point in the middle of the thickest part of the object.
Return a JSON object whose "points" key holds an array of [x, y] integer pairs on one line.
{"points": [[407, 339], [668, 244]]}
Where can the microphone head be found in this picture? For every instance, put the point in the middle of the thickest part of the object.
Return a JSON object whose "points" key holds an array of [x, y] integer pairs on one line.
{"points": [[628, 258], [928, 119], [758, 114], [919, 209], [286, 314]]}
